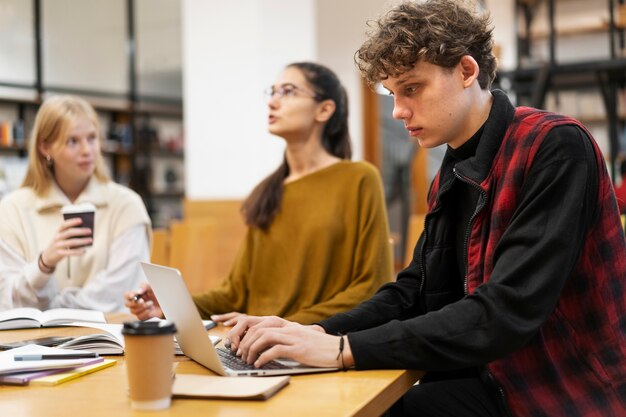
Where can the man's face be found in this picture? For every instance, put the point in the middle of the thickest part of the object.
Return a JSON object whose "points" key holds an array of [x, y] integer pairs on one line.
{"points": [[434, 104]]}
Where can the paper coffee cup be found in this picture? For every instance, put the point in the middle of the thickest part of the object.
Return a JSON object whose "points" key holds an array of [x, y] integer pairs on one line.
{"points": [[85, 211], [149, 358]]}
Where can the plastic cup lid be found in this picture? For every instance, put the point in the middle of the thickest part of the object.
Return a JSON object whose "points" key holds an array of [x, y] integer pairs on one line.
{"points": [[143, 328], [78, 208]]}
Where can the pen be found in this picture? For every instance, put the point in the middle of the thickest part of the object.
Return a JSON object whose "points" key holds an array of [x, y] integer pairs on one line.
{"points": [[137, 297], [55, 356]]}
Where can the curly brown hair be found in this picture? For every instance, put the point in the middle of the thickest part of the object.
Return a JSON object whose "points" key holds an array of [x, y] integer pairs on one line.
{"points": [[440, 32]]}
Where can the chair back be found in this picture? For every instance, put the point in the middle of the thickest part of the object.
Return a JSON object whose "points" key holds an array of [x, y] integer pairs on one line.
{"points": [[416, 226]]}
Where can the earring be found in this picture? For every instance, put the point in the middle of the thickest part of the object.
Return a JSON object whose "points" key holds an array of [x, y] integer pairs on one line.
{"points": [[48, 160]]}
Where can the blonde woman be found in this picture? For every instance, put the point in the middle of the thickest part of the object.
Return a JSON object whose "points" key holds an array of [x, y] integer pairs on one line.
{"points": [[44, 262]]}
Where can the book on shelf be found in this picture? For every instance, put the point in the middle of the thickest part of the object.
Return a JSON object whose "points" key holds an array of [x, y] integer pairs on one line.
{"points": [[240, 388], [70, 374], [6, 133], [28, 317]]}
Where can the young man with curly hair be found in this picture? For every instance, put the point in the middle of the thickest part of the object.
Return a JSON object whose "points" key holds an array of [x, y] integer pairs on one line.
{"points": [[515, 301]]}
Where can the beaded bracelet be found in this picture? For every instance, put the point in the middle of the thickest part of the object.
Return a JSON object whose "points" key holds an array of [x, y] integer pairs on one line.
{"points": [[46, 269], [340, 355]]}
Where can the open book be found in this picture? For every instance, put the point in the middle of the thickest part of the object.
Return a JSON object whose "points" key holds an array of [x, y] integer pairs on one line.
{"points": [[27, 317], [241, 388], [109, 343]]}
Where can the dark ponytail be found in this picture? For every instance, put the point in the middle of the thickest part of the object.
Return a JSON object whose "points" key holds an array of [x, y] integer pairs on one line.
{"points": [[262, 205]]}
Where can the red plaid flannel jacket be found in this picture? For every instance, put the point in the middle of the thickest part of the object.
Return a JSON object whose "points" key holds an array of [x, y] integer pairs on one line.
{"points": [[576, 364]]}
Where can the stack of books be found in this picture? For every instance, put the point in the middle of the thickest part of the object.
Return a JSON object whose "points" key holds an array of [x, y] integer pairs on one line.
{"points": [[40, 365]]}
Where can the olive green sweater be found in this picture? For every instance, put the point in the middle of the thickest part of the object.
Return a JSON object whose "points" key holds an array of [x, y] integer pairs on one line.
{"points": [[326, 251]]}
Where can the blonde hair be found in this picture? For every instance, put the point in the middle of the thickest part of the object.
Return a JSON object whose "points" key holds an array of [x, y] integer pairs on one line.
{"points": [[52, 124]]}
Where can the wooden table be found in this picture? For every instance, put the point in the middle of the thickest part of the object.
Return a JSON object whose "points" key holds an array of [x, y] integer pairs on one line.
{"points": [[104, 393]]}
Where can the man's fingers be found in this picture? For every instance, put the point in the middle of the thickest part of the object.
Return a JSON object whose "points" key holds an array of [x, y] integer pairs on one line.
{"points": [[246, 327], [276, 351], [266, 339], [227, 319], [236, 333]]}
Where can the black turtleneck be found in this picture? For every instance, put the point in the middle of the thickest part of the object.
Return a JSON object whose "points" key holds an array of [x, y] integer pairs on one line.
{"points": [[463, 197]]}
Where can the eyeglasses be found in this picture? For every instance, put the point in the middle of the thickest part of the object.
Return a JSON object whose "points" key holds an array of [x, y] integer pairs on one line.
{"points": [[289, 90]]}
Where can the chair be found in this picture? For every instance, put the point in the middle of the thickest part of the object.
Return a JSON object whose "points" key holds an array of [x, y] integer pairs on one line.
{"points": [[224, 210], [193, 250], [416, 226], [229, 224], [160, 253], [203, 246], [203, 250]]}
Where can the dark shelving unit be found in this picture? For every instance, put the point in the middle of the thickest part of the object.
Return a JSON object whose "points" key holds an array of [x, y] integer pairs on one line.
{"points": [[130, 109], [531, 81]]}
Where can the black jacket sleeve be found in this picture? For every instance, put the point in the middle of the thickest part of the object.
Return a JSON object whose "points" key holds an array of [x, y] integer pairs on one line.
{"points": [[534, 258]]}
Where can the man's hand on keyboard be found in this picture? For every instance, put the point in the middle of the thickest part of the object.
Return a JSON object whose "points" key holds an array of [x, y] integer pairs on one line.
{"points": [[250, 323], [306, 344]]}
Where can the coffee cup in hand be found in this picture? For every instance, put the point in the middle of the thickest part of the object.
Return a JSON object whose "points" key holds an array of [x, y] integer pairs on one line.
{"points": [[86, 211]]}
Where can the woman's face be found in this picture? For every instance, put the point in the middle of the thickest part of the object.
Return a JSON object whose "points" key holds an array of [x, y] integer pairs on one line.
{"points": [[75, 156], [292, 105]]}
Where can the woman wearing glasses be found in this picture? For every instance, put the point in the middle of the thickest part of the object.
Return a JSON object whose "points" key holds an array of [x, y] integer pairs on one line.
{"points": [[317, 240]]}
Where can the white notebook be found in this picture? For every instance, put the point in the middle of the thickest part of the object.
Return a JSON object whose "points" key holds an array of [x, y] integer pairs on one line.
{"points": [[8, 365]]}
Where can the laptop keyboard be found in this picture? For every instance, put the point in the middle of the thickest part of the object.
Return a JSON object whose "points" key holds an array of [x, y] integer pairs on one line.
{"points": [[232, 361]]}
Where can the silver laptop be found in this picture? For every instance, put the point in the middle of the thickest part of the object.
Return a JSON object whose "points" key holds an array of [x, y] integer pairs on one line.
{"points": [[170, 289]]}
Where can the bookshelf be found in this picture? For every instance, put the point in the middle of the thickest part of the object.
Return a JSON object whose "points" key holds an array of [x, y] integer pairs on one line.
{"points": [[140, 110], [572, 59]]}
